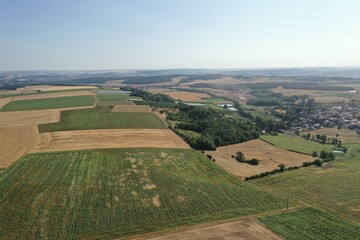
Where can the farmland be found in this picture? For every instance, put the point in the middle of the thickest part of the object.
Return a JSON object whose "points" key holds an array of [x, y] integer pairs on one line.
{"points": [[115, 193], [102, 118], [108, 138], [49, 88], [345, 135], [241, 229], [270, 157], [188, 96], [309, 223], [131, 108], [296, 143], [48, 103], [333, 187]]}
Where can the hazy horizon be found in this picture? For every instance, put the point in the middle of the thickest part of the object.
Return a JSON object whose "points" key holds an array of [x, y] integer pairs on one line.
{"points": [[152, 35]]}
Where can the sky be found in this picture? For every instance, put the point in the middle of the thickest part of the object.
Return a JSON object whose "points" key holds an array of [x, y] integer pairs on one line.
{"points": [[163, 34]]}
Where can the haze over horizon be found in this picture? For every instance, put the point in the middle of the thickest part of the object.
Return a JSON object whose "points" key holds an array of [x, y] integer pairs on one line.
{"points": [[68, 35]]}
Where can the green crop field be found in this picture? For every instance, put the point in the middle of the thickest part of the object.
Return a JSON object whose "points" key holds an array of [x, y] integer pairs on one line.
{"points": [[102, 118], [311, 224], [115, 193], [112, 97], [297, 143], [334, 186], [48, 103]]}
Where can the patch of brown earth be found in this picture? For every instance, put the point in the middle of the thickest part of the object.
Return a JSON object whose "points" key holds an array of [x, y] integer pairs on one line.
{"points": [[108, 138], [270, 157]]}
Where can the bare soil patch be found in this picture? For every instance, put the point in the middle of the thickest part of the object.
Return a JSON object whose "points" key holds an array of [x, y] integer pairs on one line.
{"points": [[109, 138], [188, 96], [270, 157], [248, 229], [131, 108]]}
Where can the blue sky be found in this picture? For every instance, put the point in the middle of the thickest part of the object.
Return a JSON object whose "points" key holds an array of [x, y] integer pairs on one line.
{"points": [[155, 34]]}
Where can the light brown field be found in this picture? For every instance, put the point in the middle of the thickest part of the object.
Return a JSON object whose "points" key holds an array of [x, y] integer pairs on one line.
{"points": [[4, 101], [188, 96], [108, 138], [33, 117], [245, 229], [19, 133], [223, 80], [346, 135], [119, 83], [54, 95], [131, 108], [15, 142], [270, 157], [318, 96], [46, 88]]}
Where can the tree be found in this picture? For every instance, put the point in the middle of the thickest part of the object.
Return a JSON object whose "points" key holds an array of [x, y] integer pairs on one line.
{"points": [[282, 167], [314, 154], [240, 156], [322, 154], [318, 162]]}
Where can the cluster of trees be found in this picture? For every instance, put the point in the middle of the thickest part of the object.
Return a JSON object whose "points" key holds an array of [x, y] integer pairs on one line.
{"points": [[147, 96], [240, 157], [321, 138], [281, 169], [215, 127]]}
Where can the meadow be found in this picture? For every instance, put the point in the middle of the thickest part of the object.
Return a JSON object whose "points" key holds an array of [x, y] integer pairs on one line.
{"points": [[48, 103], [119, 192], [311, 224], [296, 143], [333, 187], [102, 118]]}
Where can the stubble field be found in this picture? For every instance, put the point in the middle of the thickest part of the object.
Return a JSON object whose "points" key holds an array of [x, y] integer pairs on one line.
{"points": [[110, 138], [270, 157]]}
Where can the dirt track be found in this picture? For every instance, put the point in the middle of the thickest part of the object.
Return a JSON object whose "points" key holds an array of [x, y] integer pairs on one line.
{"points": [[109, 138], [270, 157], [248, 229]]}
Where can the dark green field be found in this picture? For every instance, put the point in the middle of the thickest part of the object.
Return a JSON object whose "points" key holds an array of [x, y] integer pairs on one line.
{"points": [[115, 193], [311, 224], [48, 103], [102, 118]]}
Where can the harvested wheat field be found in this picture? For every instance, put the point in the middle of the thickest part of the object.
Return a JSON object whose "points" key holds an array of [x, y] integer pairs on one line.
{"points": [[19, 132], [15, 142], [188, 96], [4, 101], [47, 88], [270, 157], [109, 138], [131, 108], [248, 229], [21, 118], [54, 95]]}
